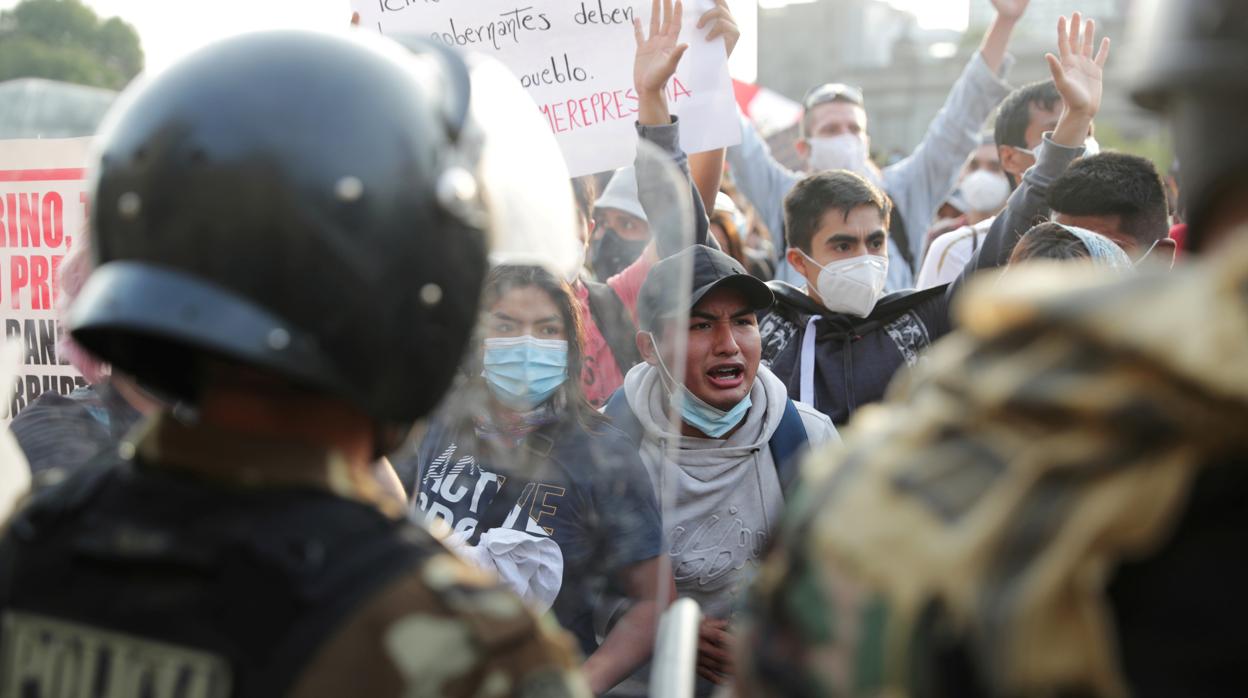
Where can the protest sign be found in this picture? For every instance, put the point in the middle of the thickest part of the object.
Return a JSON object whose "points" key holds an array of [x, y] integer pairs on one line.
{"points": [[575, 58], [43, 210]]}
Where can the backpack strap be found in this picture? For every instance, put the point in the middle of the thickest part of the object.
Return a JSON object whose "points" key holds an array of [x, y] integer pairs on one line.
{"points": [[621, 415], [787, 441], [615, 324]]}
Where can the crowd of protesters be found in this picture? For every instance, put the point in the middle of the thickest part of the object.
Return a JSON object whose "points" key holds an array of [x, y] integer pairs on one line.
{"points": [[634, 431]]}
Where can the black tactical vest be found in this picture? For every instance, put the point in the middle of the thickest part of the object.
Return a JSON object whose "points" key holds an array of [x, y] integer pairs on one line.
{"points": [[128, 581]]}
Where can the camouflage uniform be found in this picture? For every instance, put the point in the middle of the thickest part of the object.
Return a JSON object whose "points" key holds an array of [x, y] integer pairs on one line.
{"points": [[973, 538], [433, 627]]}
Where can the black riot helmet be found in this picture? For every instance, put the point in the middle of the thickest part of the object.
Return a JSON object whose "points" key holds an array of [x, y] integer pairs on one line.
{"points": [[300, 203], [1193, 66]]}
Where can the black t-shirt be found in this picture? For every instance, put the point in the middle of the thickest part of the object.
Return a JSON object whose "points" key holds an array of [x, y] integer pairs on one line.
{"points": [[584, 487]]}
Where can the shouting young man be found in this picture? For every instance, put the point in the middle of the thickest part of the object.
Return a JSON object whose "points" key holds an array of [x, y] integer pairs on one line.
{"points": [[724, 462]]}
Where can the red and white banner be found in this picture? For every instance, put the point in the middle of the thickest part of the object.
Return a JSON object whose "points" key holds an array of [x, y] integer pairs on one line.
{"points": [[43, 211]]}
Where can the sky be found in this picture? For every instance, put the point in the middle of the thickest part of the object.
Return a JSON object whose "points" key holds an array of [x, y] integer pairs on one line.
{"points": [[170, 29], [932, 14]]}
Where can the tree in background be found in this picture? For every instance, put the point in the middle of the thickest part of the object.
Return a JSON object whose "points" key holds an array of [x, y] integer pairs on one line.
{"points": [[65, 40]]}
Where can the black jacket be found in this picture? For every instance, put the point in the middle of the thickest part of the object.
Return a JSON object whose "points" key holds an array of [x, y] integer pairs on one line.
{"points": [[855, 358]]}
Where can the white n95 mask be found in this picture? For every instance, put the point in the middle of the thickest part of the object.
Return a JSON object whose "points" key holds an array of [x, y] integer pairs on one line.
{"points": [[984, 191], [843, 152], [852, 286]]}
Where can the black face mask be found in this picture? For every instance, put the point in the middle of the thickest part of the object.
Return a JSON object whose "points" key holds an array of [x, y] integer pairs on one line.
{"points": [[610, 254]]}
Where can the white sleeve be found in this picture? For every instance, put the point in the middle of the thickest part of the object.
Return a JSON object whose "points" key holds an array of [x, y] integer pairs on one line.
{"points": [[531, 566], [920, 182], [946, 257]]}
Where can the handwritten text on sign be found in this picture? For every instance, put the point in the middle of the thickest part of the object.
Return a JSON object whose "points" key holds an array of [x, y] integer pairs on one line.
{"points": [[575, 57], [43, 194]]}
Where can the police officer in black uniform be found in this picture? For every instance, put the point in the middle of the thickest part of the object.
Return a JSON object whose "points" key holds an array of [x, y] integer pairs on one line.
{"points": [[291, 237]]}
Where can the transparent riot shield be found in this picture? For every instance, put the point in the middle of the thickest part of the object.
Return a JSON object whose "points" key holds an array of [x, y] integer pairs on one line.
{"points": [[62, 407], [546, 463], [14, 471]]}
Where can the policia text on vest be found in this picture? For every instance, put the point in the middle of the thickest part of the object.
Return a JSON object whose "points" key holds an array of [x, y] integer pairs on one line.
{"points": [[47, 658]]}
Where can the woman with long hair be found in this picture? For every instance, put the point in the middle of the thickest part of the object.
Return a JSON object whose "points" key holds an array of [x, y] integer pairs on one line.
{"points": [[519, 449]]}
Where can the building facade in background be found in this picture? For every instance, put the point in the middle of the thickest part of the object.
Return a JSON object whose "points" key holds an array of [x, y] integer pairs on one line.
{"points": [[1041, 18], [905, 72]]}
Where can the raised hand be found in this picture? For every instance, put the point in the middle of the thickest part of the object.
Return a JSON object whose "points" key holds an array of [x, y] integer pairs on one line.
{"points": [[1076, 72], [1010, 9], [722, 23], [658, 55]]}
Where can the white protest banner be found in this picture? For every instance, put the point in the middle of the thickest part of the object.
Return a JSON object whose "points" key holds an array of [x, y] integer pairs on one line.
{"points": [[43, 209], [575, 58]]}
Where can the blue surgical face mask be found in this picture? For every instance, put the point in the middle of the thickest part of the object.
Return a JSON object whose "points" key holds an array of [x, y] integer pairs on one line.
{"points": [[710, 420], [695, 412], [523, 372]]}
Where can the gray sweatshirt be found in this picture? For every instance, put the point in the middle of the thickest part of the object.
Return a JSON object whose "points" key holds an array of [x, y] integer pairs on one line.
{"points": [[720, 498], [723, 496], [918, 184]]}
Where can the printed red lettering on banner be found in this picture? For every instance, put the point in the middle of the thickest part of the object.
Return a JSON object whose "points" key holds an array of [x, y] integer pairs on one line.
{"points": [[678, 89], [31, 223], [40, 276], [19, 275], [34, 273], [28, 219], [62, 174], [602, 107], [53, 216], [9, 211], [56, 278]]}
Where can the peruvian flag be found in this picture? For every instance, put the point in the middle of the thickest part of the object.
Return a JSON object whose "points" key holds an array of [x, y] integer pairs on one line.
{"points": [[770, 111]]}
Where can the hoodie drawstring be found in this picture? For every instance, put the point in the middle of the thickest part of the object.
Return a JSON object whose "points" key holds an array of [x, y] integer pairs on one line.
{"points": [[762, 498], [851, 400]]}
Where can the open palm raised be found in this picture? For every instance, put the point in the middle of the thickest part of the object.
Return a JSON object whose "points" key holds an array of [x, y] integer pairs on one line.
{"points": [[1076, 72], [658, 55]]}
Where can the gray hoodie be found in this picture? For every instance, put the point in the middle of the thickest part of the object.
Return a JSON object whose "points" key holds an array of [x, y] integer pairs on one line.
{"points": [[723, 497]]}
